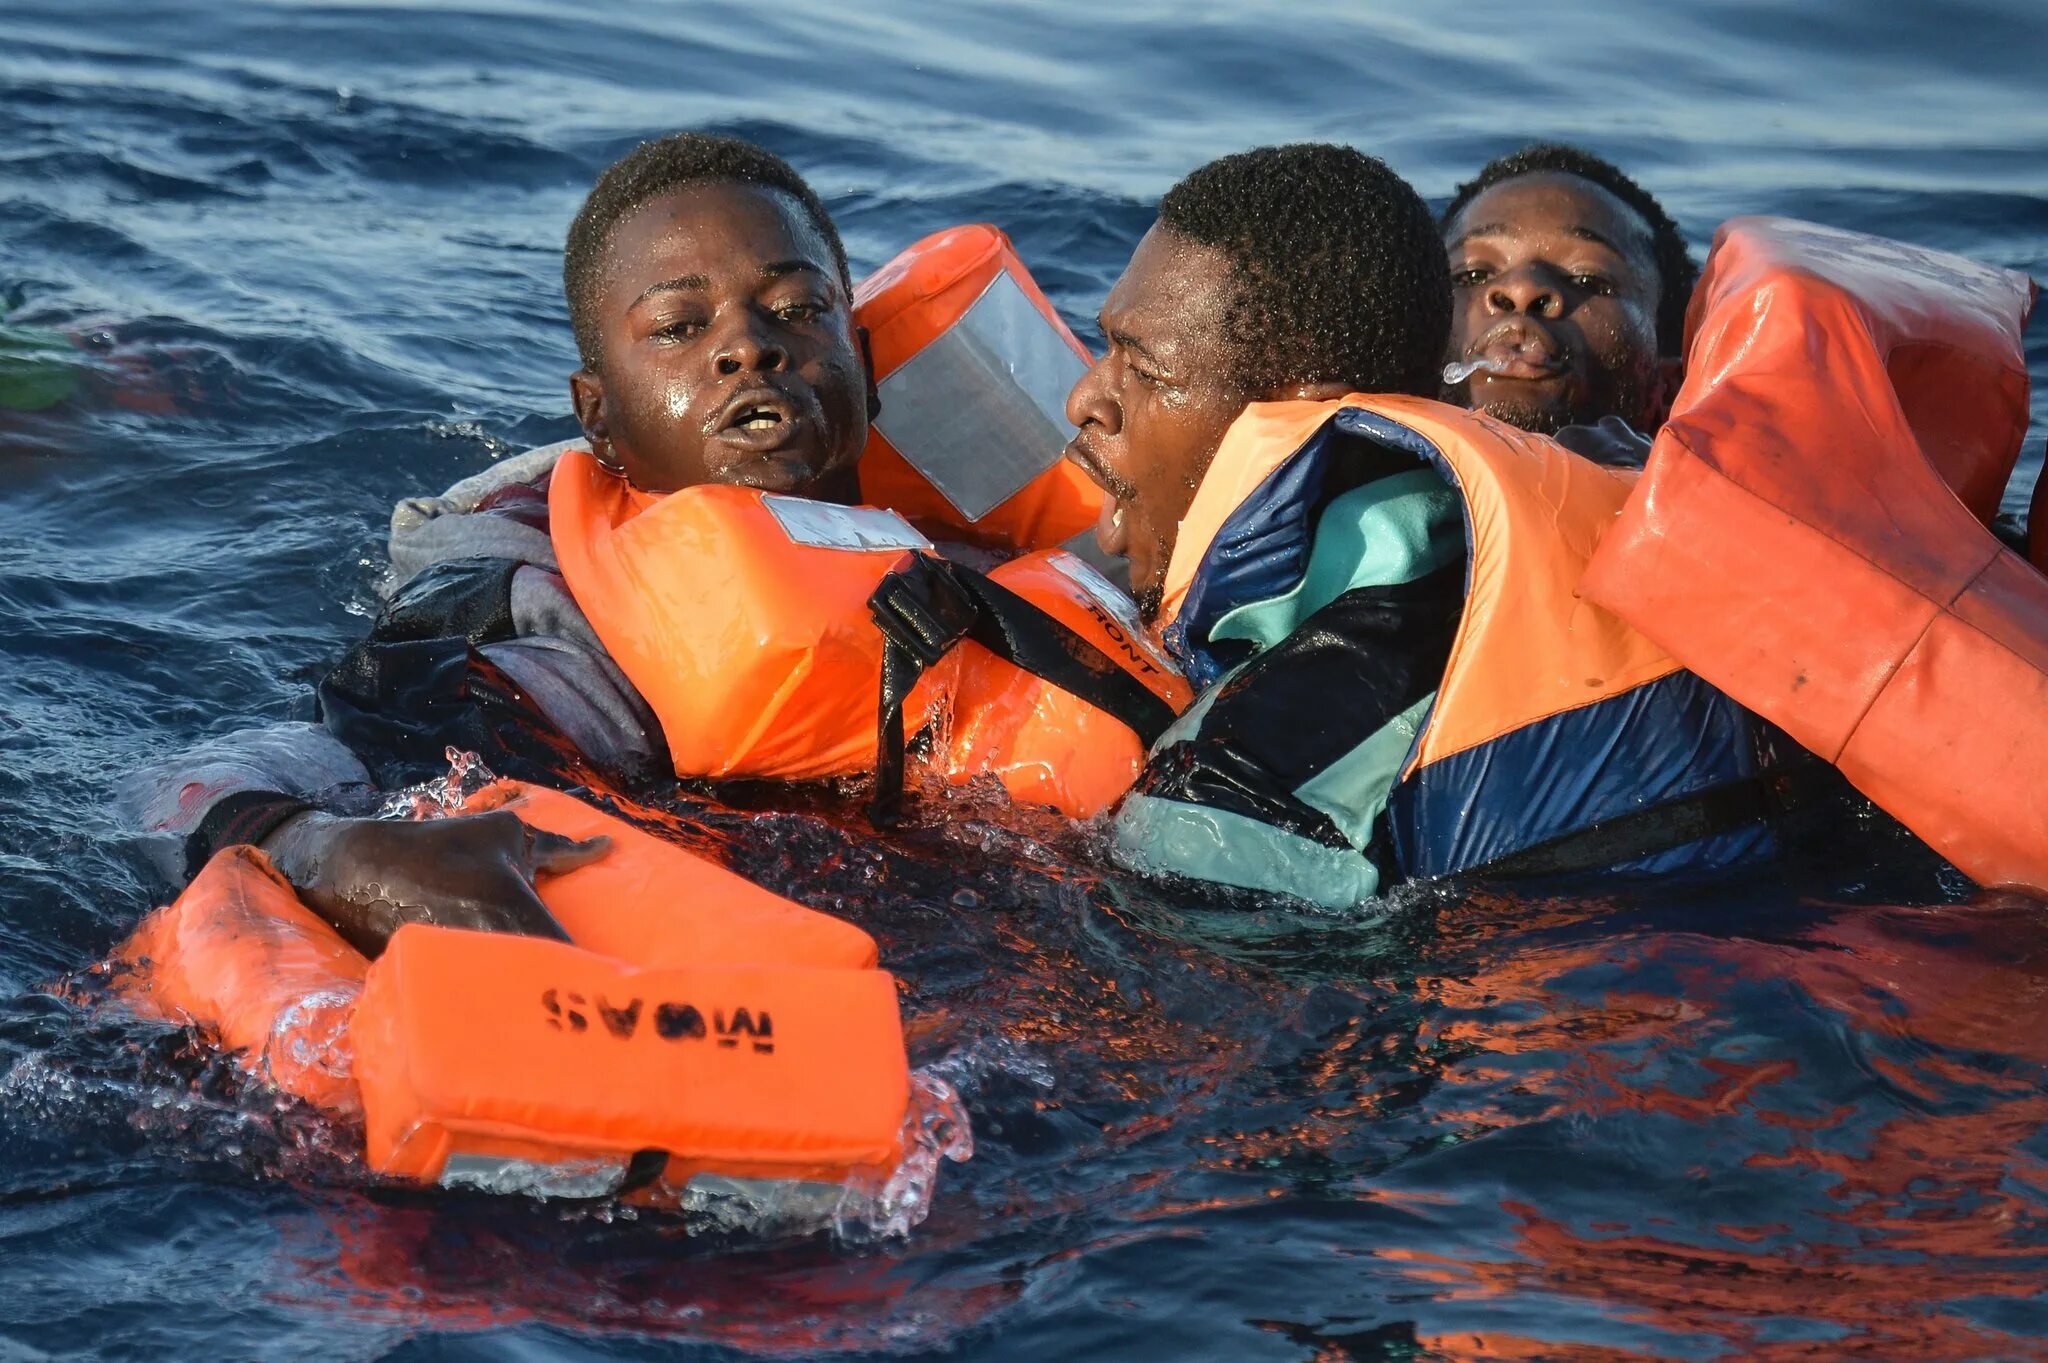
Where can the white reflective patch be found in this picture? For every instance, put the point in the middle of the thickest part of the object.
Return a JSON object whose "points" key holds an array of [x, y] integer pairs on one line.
{"points": [[982, 410], [1115, 567], [597, 1176], [824, 525], [1113, 600], [762, 1206]]}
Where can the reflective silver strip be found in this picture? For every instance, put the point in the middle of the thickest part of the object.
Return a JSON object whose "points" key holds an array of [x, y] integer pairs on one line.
{"points": [[982, 410], [1115, 567], [1112, 599], [590, 1176], [826, 525], [763, 1206]]}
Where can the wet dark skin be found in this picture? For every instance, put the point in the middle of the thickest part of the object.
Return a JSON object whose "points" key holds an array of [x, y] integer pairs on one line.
{"points": [[730, 355], [729, 349], [366, 877], [1554, 278], [1150, 413]]}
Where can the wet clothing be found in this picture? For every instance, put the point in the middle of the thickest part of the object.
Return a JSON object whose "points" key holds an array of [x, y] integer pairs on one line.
{"points": [[1277, 777], [1401, 684], [480, 647], [1280, 777]]}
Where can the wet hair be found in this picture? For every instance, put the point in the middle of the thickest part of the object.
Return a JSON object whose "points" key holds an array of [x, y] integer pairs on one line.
{"points": [[1677, 272], [660, 167], [1339, 269]]}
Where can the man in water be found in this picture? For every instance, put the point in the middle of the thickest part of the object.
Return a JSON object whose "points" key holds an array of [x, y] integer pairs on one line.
{"points": [[1329, 612], [1216, 310], [713, 313], [1569, 284]]}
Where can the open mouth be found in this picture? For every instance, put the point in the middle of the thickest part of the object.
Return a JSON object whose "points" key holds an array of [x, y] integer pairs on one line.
{"points": [[761, 418], [1112, 533], [759, 409], [1112, 530]]}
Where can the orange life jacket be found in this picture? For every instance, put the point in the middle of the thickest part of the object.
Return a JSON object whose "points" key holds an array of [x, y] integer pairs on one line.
{"points": [[746, 620], [741, 616], [1809, 534], [1553, 714], [1045, 743], [697, 1015], [973, 365]]}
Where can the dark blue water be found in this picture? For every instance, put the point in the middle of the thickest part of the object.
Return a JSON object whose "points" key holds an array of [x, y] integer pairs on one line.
{"points": [[308, 255]]}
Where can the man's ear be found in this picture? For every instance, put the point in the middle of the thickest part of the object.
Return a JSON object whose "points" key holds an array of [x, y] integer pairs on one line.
{"points": [[867, 364], [586, 396], [1670, 374]]}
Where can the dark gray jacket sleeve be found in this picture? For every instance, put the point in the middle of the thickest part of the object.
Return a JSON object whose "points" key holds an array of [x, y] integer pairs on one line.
{"points": [[515, 614], [236, 788]]}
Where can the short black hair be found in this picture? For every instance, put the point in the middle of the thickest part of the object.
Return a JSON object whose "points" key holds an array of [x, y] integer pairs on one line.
{"points": [[1677, 271], [660, 167], [1340, 271]]}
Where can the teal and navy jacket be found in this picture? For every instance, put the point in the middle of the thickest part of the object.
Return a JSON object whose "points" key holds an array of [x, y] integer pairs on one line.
{"points": [[1376, 598]]}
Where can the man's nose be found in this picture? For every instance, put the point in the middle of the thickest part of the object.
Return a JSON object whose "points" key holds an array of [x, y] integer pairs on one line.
{"points": [[748, 345], [1089, 401], [1530, 291]]}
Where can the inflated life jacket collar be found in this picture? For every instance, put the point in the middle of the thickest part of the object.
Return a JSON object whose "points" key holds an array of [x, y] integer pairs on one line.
{"points": [[1235, 549]]}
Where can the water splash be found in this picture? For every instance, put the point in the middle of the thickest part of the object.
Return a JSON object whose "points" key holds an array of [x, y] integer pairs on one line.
{"points": [[865, 1210], [935, 1128], [446, 795], [313, 1035], [598, 1176], [163, 1095], [473, 431]]}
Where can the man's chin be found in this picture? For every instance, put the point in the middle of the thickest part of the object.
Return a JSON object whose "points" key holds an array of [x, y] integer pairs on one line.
{"points": [[1537, 418], [1150, 599], [797, 474]]}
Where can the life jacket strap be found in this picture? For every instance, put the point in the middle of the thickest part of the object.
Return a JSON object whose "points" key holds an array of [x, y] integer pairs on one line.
{"points": [[1641, 833], [927, 607]]}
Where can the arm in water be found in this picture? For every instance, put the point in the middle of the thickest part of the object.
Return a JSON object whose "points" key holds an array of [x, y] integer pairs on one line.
{"points": [[367, 877], [490, 647], [279, 788]]}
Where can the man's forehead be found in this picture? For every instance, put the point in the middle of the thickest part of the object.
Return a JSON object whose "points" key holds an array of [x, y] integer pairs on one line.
{"points": [[686, 231], [1552, 200], [1170, 285]]}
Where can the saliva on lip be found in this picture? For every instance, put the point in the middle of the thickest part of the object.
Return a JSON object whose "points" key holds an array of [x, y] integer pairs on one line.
{"points": [[1460, 370]]}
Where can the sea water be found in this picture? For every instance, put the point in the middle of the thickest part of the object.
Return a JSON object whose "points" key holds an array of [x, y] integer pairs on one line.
{"points": [[303, 259]]}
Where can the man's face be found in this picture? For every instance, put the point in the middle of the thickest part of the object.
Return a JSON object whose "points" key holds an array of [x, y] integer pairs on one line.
{"points": [[1152, 410], [730, 353], [1554, 281]]}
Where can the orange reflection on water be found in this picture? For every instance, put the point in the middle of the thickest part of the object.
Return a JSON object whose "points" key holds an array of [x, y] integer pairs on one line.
{"points": [[1929, 1196], [451, 1267]]}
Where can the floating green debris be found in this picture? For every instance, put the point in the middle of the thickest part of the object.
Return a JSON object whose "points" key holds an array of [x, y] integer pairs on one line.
{"points": [[38, 368]]}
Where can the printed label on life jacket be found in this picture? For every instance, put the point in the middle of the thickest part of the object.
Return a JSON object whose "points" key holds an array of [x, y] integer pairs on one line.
{"points": [[1118, 614], [982, 410], [669, 1019], [823, 525]]}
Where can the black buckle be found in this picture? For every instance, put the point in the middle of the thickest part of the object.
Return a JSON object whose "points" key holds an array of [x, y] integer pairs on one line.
{"points": [[921, 609]]}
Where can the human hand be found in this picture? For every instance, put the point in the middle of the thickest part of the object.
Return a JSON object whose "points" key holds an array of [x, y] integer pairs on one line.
{"points": [[367, 877]]}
